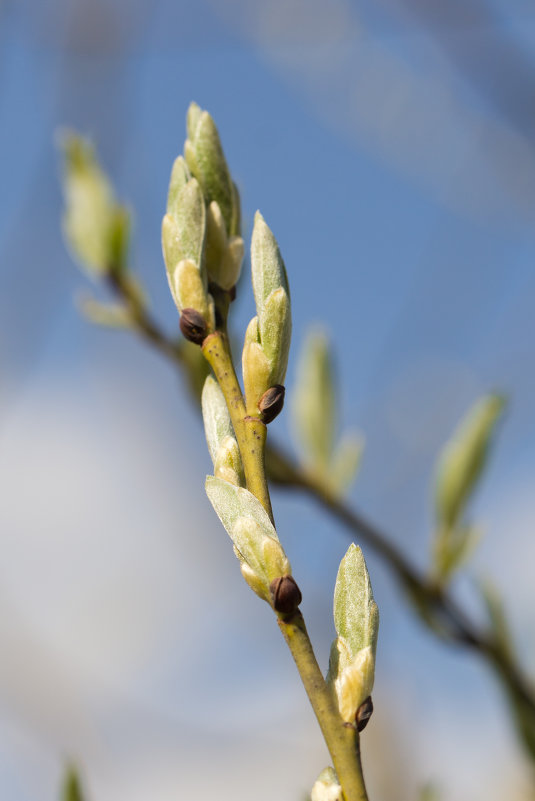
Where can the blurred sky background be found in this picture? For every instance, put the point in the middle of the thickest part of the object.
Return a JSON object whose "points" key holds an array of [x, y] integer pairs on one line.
{"points": [[390, 146]]}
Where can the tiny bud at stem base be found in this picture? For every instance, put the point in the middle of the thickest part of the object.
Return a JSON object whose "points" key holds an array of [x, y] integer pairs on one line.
{"points": [[193, 326], [285, 594], [271, 403], [364, 713]]}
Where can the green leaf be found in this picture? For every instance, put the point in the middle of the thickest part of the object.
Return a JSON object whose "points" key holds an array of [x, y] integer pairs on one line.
{"points": [[463, 459], [313, 405]]}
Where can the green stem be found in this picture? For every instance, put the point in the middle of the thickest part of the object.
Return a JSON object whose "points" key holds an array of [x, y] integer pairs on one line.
{"points": [[342, 739], [250, 431]]}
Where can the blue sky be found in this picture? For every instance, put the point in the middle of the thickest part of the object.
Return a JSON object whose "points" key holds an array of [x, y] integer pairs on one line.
{"points": [[391, 151]]}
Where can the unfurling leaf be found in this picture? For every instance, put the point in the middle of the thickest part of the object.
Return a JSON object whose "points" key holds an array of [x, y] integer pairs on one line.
{"points": [[255, 540]]}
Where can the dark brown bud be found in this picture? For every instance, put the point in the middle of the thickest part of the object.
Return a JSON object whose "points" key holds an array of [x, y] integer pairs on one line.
{"points": [[271, 403], [193, 326], [285, 594], [364, 713]]}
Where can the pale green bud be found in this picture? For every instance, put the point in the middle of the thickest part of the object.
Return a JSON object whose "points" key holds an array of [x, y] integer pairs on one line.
{"points": [[268, 270], [223, 256], [256, 368], [206, 160], [95, 226], [252, 533], [216, 238], [230, 265], [270, 286], [183, 231], [228, 464], [188, 291], [217, 424], [192, 118], [275, 333], [180, 175], [463, 459], [356, 619], [327, 787]]}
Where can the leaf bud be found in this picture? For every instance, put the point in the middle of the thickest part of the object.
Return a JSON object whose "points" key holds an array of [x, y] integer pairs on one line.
{"points": [[271, 403], [193, 326], [327, 787], [285, 595], [364, 713], [206, 160]]}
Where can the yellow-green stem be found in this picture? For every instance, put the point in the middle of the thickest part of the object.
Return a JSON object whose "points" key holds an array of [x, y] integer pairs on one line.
{"points": [[250, 431], [342, 740]]}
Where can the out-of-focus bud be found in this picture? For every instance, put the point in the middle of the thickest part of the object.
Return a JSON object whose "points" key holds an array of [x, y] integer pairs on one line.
{"points": [[95, 226], [326, 787], [464, 457]]}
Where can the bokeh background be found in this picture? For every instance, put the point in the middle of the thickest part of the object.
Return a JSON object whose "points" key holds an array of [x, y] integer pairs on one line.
{"points": [[390, 146]]}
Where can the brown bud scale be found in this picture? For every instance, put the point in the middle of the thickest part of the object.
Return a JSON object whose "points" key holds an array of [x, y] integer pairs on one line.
{"points": [[271, 403], [285, 594], [193, 326], [364, 713]]}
